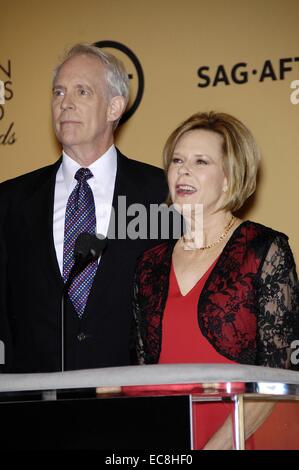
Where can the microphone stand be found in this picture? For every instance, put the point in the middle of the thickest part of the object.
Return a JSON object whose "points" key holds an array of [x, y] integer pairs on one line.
{"points": [[76, 269]]}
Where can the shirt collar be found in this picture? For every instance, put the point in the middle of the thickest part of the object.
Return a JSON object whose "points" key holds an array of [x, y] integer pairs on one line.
{"points": [[106, 165]]}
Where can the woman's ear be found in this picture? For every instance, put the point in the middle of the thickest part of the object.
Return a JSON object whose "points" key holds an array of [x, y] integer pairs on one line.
{"points": [[225, 184]]}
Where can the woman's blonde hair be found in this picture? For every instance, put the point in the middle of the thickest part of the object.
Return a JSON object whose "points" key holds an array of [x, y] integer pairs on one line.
{"points": [[241, 155]]}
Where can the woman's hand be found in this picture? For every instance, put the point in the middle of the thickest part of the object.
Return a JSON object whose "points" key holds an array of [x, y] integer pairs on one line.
{"points": [[255, 413]]}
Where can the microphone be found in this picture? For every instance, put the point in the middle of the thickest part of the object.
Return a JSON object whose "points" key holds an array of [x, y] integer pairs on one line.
{"points": [[87, 249]]}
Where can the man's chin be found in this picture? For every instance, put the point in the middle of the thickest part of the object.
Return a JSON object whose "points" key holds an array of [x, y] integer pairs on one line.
{"points": [[68, 139]]}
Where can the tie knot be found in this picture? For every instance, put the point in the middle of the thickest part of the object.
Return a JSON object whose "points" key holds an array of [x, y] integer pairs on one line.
{"points": [[83, 174]]}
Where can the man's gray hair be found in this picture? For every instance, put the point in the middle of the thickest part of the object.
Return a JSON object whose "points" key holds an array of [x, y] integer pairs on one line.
{"points": [[116, 75]]}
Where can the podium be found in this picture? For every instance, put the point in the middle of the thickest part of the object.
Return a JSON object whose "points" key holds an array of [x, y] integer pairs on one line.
{"points": [[89, 397]]}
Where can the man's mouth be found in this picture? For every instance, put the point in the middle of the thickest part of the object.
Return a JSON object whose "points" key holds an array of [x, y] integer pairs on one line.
{"points": [[69, 121]]}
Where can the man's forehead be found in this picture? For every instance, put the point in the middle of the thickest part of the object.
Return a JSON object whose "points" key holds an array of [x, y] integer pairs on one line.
{"points": [[82, 67]]}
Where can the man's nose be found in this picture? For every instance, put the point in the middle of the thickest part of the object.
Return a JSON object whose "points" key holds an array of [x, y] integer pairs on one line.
{"points": [[67, 102]]}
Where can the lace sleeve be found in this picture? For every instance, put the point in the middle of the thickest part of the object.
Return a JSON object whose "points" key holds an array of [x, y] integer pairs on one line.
{"points": [[278, 306]]}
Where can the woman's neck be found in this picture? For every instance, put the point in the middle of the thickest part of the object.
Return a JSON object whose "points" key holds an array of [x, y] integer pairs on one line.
{"points": [[206, 231]]}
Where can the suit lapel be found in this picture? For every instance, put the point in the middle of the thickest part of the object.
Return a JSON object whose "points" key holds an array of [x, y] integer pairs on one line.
{"points": [[111, 255], [38, 211]]}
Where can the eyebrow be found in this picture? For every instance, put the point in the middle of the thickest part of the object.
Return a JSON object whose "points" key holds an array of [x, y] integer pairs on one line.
{"points": [[196, 155], [79, 85], [60, 87]]}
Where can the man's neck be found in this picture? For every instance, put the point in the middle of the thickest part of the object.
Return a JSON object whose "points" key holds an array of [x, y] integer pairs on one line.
{"points": [[85, 156]]}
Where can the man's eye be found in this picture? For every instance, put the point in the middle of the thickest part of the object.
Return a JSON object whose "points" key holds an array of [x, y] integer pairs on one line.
{"points": [[200, 161], [83, 92], [57, 92]]}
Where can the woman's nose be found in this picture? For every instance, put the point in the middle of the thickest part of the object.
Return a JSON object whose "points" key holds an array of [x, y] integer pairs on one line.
{"points": [[183, 169]]}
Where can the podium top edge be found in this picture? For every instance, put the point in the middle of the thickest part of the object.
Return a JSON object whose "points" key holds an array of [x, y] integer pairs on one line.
{"points": [[159, 374]]}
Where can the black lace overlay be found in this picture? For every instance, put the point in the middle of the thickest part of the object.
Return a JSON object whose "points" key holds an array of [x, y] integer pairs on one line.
{"points": [[278, 306], [150, 294], [248, 308]]}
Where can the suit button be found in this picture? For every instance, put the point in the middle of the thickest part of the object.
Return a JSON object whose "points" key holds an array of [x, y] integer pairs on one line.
{"points": [[81, 336]]}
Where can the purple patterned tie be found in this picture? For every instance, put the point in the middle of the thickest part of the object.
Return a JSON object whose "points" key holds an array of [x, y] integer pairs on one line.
{"points": [[79, 217]]}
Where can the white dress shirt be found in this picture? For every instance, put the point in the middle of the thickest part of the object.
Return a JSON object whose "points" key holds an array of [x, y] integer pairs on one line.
{"points": [[102, 185]]}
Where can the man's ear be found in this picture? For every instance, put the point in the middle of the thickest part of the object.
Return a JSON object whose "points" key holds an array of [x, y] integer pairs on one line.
{"points": [[116, 108]]}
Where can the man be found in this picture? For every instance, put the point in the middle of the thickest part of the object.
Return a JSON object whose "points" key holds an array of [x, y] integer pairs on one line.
{"points": [[42, 213]]}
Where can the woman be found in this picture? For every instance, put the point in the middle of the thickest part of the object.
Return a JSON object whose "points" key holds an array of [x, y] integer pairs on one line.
{"points": [[226, 291]]}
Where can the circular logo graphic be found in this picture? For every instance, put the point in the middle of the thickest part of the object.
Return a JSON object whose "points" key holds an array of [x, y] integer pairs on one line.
{"points": [[134, 70]]}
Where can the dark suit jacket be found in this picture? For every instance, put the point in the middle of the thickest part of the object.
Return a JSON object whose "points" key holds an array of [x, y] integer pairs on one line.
{"points": [[31, 285]]}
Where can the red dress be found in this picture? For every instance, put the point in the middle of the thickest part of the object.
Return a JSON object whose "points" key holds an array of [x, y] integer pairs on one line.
{"points": [[183, 342]]}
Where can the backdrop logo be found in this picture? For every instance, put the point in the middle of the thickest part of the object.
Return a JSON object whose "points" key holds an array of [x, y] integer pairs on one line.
{"points": [[135, 73], [242, 72], [295, 94], [7, 135], [2, 92]]}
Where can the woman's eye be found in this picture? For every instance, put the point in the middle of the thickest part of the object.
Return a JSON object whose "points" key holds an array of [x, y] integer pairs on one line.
{"points": [[176, 160], [200, 161]]}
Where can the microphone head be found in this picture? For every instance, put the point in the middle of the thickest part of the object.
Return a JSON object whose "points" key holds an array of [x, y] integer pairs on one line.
{"points": [[82, 245], [88, 247]]}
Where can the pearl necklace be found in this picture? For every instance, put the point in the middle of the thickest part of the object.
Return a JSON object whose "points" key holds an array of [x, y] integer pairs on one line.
{"points": [[211, 245]]}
